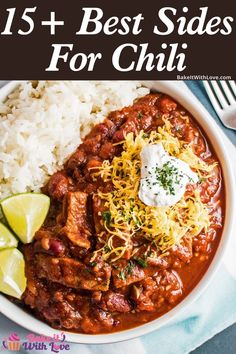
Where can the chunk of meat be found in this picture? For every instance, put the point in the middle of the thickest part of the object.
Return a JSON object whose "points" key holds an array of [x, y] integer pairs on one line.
{"points": [[32, 283], [107, 151], [140, 118], [148, 255], [98, 209], [203, 242], [58, 185], [69, 317], [79, 158], [75, 212], [210, 186], [152, 292], [142, 293], [117, 118], [101, 131], [149, 100], [128, 127], [92, 167], [176, 256], [160, 262], [73, 274], [170, 286], [92, 145], [183, 252], [125, 274], [115, 302], [54, 306]]}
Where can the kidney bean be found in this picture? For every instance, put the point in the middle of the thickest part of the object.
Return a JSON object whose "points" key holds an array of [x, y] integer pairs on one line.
{"points": [[107, 151], [54, 247], [79, 158], [58, 185]]}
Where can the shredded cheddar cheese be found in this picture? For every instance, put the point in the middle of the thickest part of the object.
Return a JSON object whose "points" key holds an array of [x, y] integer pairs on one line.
{"points": [[164, 226]]}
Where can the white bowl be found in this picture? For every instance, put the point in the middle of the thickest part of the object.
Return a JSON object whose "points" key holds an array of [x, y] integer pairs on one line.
{"points": [[180, 93]]}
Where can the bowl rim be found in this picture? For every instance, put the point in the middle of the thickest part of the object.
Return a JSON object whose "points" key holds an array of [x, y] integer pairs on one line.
{"points": [[179, 91]]}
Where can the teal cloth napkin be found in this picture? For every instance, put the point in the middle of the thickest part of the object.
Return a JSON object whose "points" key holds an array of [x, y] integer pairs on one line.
{"points": [[198, 89], [210, 314]]}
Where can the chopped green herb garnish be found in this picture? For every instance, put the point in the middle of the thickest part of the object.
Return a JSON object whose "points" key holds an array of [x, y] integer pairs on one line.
{"points": [[87, 270], [178, 128], [93, 264], [107, 217], [122, 275], [130, 267], [167, 177], [141, 262], [106, 249], [140, 115], [201, 179]]}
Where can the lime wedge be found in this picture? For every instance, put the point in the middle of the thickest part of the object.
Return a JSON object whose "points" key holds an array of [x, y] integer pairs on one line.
{"points": [[3, 220], [7, 240], [25, 213], [12, 272]]}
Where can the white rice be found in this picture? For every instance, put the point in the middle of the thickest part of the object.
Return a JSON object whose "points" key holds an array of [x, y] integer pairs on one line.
{"points": [[40, 127]]}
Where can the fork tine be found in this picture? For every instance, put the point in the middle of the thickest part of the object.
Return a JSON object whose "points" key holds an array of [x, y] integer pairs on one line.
{"points": [[227, 92], [211, 95], [233, 86], [219, 94]]}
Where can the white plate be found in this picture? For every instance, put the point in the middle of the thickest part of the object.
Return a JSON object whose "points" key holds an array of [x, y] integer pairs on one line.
{"points": [[180, 93]]}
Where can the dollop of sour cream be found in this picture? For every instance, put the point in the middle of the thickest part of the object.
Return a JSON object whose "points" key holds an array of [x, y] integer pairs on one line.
{"points": [[163, 178]]}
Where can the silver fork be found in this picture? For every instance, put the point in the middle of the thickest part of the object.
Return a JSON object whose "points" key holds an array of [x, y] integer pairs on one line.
{"points": [[222, 95]]}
